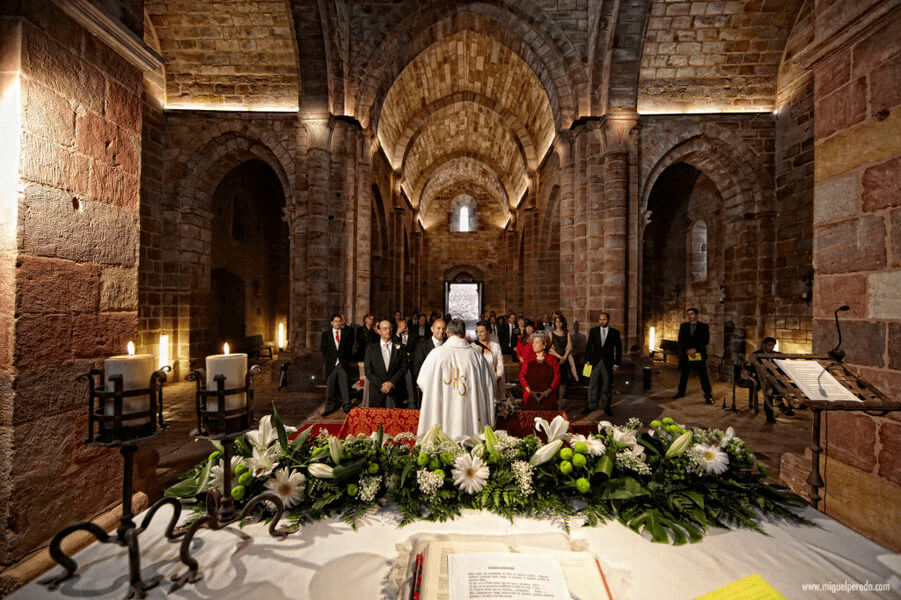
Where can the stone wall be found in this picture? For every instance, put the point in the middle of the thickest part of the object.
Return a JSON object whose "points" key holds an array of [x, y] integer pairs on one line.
{"points": [[76, 266], [856, 61]]}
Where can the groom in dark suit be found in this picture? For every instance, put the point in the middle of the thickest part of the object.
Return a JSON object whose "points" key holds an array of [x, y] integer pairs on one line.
{"points": [[385, 364], [604, 353], [693, 339], [338, 348]]}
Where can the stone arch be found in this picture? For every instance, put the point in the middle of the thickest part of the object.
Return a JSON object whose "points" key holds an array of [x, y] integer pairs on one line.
{"points": [[723, 157], [212, 158], [548, 51], [456, 272]]}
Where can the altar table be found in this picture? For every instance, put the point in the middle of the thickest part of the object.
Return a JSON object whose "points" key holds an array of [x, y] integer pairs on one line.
{"points": [[328, 560]]}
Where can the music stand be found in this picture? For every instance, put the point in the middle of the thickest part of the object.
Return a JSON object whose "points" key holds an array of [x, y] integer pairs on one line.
{"points": [[774, 381]]}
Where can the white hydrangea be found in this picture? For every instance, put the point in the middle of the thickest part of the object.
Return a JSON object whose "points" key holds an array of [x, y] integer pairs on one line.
{"points": [[368, 488], [429, 482], [523, 472]]}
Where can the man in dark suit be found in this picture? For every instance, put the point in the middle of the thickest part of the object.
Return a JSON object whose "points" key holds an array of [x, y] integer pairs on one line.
{"points": [[407, 343], [693, 339], [338, 348], [439, 333], [604, 352], [385, 365], [503, 335]]}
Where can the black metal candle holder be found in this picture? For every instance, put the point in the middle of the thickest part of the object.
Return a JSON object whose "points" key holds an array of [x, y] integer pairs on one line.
{"points": [[120, 430], [225, 426]]}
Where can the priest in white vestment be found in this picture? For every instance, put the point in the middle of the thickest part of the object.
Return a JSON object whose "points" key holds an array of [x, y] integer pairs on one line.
{"points": [[457, 387]]}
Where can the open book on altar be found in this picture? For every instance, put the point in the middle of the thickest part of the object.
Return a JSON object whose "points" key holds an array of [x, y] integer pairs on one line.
{"points": [[505, 563]]}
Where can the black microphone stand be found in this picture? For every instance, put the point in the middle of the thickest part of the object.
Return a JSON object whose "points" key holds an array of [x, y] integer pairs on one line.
{"points": [[837, 354]]}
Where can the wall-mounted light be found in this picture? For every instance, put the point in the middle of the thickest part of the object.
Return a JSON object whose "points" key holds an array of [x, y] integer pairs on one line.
{"points": [[281, 336], [652, 339], [164, 351]]}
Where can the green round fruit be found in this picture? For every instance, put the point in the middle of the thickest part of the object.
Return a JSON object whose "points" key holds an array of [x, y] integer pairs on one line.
{"points": [[447, 458], [566, 453], [215, 456], [439, 473], [580, 448], [245, 478], [373, 468], [579, 460], [240, 469], [565, 467], [352, 489], [238, 492], [434, 463], [423, 459], [583, 485]]}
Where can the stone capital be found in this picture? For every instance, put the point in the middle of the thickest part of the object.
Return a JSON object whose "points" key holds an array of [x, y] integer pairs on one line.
{"points": [[618, 130], [319, 131]]}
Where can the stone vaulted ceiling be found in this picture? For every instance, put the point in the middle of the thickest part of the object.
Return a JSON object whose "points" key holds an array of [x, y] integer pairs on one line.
{"points": [[475, 92]]}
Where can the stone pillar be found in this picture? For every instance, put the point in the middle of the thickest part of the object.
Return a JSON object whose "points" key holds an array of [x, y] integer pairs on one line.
{"points": [[618, 134], [313, 289], [563, 147]]}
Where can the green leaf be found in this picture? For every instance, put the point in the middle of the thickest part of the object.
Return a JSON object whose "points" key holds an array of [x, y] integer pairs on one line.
{"points": [[348, 470], [280, 429], [183, 489], [203, 479], [604, 465], [623, 489], [696, 498], [301, 437]]}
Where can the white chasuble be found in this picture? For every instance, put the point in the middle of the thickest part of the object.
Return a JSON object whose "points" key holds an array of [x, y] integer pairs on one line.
{"points": [[457, 390]]}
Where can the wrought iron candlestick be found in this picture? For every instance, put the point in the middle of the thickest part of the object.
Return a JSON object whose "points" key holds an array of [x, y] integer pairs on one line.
{"points": [[224, 425], [115, 429]]}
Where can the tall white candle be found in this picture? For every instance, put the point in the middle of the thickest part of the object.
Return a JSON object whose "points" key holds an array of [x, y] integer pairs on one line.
{"points": [[234, 367], [135, 370]]}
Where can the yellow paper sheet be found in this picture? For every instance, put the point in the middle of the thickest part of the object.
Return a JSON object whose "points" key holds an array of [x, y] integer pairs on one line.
{"points": [[752, 587]]}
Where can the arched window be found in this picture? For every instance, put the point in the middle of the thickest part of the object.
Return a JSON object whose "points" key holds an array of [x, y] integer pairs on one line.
{"points": [[699, 251], [464, 214]]}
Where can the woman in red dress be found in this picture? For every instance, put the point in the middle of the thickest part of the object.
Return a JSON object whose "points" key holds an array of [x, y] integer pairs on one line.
{"points": [[524, 352], [540, 378]]}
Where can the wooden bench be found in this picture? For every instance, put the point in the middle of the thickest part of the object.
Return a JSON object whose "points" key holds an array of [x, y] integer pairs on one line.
{"points": [[255, 347], [667, 348]]}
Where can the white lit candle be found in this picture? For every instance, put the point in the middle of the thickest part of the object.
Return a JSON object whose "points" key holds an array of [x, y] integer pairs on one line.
{"points": [[652, 341], [234, 367], [135, 370]]}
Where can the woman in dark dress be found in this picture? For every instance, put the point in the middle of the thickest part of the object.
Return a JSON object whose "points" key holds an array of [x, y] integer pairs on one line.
{"points": [[540, 378]]}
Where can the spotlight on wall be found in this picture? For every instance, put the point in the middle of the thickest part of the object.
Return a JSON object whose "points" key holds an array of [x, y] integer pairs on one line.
{"points": [[164, 351]]}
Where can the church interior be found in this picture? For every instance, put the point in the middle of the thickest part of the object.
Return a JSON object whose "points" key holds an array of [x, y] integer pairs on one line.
{"points": [[184, 173]]}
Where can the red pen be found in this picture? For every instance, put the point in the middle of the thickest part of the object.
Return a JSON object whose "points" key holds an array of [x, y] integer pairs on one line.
{"points": [[417, 578]]}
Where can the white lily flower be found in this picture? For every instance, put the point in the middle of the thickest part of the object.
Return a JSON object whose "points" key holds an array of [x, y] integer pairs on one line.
{"points": [[545, 453], [431, 435], [262, 462], [334, 449], [554, 430], [264, 435], [727, 437], [679, 445], [321, 471], [385, 437]]}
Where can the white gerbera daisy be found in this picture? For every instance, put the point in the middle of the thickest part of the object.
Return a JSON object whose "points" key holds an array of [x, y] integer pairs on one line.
{"points": [[596, 447], [288, 486], [217, 474], [715, 461], [470, 473]]}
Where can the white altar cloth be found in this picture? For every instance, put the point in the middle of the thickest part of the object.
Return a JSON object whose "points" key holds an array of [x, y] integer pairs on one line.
{"points": [[328, 560]]}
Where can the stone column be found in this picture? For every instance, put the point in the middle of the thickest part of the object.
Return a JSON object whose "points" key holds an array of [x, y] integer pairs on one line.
{"points": [[312, 290], [617, 133], [563, 147]]}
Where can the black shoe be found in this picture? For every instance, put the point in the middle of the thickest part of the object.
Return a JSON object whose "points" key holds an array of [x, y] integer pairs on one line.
{"points": [[587, 411], [329, 411], [678, 395], [608, 411], [708, 398], [347, 409]]}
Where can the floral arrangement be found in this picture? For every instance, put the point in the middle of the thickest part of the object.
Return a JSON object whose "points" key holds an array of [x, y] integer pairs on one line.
{"points": [[669, 482]]}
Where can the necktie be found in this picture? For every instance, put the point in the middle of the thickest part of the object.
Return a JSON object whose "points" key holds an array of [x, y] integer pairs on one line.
{"points": [[692, 328], [337, 337], [603, 335], [386, 354]]}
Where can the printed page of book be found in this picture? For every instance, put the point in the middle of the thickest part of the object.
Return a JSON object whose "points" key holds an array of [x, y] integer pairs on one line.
{"points": [[815, 381], [506, 576]]}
